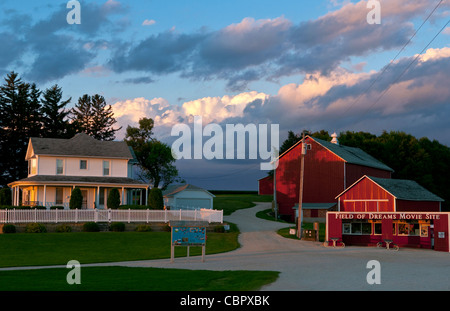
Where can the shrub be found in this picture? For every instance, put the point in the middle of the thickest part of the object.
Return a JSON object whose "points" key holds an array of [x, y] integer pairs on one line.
{"points": [[91, 227], [63, 228], [5, 196], [117, 227], [9, 228], [143, 228], [166, 228], [113, 199], [155, 199], [219, 229], [57, 207], [133, 206], [76, 199], [35, 228]]}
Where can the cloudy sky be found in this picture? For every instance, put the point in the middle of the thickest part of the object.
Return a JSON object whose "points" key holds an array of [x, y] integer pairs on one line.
{"points": [[299, 64]]}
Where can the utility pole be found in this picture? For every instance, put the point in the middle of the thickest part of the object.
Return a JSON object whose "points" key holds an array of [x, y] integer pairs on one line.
{"points": [[275, 206], [300, 194]]}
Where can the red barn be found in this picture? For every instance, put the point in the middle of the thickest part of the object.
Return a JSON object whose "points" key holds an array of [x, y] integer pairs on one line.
{"points": [[329, 169], [265, 185], [376, 209]]}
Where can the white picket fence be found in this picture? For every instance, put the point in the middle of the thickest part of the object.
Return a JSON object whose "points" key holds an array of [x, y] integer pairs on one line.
{"points": [[107, 215]]}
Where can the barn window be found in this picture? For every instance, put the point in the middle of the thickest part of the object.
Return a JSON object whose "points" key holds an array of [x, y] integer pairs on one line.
{"points": [[377, 228], [407, 228], [424, 230], [357, 228], [346, 228]]}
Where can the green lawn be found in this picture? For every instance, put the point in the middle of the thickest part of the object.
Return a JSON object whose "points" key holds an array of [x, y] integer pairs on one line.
{"points": [[135, 279], [232, 202], [29, 249], [284, 232], [268, 215]]}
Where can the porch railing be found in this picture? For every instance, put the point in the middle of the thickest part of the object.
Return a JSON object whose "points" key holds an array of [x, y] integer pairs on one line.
{"points": [[107, 215]]}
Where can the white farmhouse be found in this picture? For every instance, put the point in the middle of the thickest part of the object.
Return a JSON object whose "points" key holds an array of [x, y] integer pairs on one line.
{"points": [[56, 166]]}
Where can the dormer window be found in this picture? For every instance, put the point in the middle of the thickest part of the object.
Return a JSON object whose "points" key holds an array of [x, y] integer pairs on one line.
{"points": [[32, 167], [83, 164], [59, 167], [106, 168]]}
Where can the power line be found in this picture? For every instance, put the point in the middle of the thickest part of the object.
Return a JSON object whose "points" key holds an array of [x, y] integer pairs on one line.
{"points": [[390, 63], [406, 69]]}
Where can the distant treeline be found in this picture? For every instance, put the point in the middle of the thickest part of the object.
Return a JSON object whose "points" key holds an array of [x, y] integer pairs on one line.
{"points": [[420, 159], [233, 192]]}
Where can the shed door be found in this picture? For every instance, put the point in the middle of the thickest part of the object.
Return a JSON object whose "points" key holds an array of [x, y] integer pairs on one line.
{"points": [[193, 203]]}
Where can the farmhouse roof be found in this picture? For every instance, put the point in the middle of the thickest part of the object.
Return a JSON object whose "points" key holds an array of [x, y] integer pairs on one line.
{"points": [[81, 145]]}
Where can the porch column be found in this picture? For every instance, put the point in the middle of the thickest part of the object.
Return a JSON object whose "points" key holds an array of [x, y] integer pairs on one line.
{"points": [[97, 197], [18, 195], [122, 199], [14, 196], [45, 196], [146, 196]]}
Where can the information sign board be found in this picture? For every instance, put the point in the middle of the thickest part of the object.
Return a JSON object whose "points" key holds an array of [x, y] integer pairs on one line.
{"points": [[188, 236]]}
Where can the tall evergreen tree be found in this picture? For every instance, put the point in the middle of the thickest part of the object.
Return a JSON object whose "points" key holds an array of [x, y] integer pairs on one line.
{"points": [[92, 116], [20, 119], [55, 115]]}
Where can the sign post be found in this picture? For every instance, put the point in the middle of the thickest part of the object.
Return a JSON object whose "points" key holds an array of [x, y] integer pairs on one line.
{"points": [[188, 233]]}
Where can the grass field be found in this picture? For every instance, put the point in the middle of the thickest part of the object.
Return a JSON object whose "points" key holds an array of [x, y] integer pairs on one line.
{"points": [[28, 249], [266, 214], [135, 279]]}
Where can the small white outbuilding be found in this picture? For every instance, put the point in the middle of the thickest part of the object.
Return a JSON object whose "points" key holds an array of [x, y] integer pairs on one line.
{"points": [[187, 196]]}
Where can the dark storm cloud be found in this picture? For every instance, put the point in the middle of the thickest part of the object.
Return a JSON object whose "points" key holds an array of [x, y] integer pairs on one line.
{"points": [[57, 48], [164, 53], [268, 49]]}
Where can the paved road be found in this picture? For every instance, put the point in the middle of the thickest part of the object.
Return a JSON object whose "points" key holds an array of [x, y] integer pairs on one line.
{"points": [[305, 265]]}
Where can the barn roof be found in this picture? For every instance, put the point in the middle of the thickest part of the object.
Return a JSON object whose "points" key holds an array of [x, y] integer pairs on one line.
{"points": [[353, 155], [81, 145], [174, 189], [402, 189], [406, 189]]}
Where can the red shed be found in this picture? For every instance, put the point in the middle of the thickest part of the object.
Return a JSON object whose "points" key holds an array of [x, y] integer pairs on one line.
{"points": [[376, 209], [329, 169], [265, 185]]}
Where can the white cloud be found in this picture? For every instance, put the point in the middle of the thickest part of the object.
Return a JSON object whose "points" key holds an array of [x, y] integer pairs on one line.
{"points": [[148, 22], [318, 102]]}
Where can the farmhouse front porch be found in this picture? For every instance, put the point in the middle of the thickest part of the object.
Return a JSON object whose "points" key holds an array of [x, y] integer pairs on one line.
{"points": [[49, 191]]}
